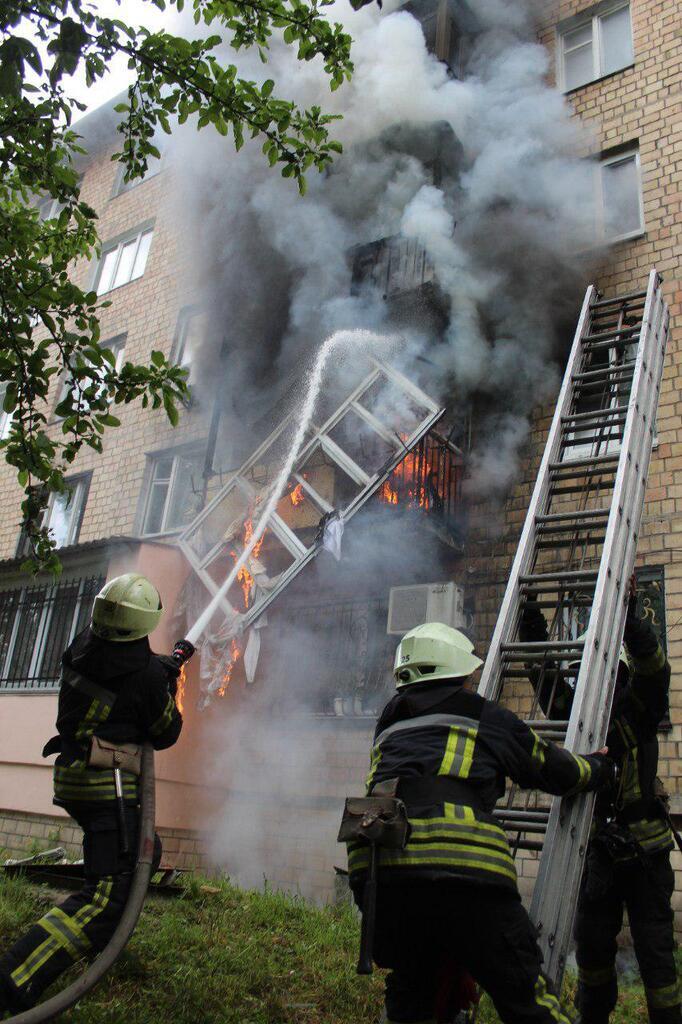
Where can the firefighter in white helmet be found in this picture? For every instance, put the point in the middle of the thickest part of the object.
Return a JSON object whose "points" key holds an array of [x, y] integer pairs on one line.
{"points": [[114, 695], [448, 907]]}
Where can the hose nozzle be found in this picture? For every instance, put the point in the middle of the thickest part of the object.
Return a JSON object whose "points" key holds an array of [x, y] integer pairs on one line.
{"points": [[182, 652]]}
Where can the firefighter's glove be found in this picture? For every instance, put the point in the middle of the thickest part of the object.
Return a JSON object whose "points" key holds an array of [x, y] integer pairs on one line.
{"points": [[605, 777]]}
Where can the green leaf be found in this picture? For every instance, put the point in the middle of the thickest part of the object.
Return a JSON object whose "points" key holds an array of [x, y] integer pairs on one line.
{"points": [[267, 87], [158, 358]]}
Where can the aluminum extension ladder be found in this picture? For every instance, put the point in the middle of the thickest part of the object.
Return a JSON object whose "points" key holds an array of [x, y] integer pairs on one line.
{"points": [[575, 556]]}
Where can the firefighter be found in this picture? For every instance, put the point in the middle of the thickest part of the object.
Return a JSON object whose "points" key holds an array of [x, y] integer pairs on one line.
{"points": [[628, 860], [112, 688], [449, 899]]}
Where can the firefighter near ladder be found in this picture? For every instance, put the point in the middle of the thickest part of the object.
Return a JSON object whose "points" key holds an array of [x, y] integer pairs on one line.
{"points": [[628, 859], [115, 695], [446, 900]]}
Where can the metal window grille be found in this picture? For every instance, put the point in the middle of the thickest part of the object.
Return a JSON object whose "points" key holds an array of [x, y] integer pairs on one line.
{"points": [[428, 479], [36, 624]]}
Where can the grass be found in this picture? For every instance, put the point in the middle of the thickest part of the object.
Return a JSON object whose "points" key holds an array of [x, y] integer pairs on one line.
{"points": [[235, 957]]}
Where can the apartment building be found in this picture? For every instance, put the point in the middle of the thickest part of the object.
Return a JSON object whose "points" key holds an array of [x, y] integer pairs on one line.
{"points": [[256, 781]]}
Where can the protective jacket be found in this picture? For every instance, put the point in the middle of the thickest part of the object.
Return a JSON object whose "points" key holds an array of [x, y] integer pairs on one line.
{"points": [[120, 692], [451, 751], [638, 709]]}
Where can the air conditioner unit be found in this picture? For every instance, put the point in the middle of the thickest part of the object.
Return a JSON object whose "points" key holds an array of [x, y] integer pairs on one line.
{"points": [[424, 602]]}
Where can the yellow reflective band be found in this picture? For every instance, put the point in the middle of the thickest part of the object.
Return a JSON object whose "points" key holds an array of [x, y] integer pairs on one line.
{"points": [[375, 758], [459, 752], [165, 719], [550, 1002], [539, 748], [59, 924], [453, 831], [24, 972], [663, 998], [452, 855], [584, 776], [653, 663]]}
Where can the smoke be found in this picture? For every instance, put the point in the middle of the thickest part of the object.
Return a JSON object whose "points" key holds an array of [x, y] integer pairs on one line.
{"points": [[484, 172]]}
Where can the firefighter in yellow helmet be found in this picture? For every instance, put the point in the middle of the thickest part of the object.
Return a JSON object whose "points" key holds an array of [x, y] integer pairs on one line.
{"points": [[448, 903], [113, 689]]}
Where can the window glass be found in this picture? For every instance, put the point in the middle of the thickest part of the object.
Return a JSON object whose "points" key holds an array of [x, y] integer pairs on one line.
{"points": [[125, 263], [620, 181], [156, 503], [107, 272], [5, 417], [142, 253], [185, 498], [616, 40], [64, 514], [578, 66]]}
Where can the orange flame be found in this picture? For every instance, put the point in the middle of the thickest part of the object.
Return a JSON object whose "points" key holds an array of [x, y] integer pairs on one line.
{"points": [[235, 655], [244, 577], [180, 695], [297, 496], [406, 483]]}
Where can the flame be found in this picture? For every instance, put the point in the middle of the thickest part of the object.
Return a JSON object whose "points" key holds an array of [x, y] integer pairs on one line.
{"points": [[244, 577], [297, 496], [180, 695], [407, 482], [235, 655]]}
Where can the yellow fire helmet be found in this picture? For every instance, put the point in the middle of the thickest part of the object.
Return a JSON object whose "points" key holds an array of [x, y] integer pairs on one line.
{"points": [[126, 608], [433, 651]]}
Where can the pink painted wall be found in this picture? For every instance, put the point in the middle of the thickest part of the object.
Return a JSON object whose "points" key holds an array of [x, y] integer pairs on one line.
{"points": [[27, 721]]}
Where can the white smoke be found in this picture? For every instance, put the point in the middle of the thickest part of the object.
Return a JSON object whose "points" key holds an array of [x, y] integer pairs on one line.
{"points": [[502, 220]]}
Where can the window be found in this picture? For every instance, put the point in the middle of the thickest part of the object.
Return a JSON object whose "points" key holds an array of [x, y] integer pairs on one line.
{"points": [[620, 213], [49, 208], [154, 165], [174, 495], [191, 332], [36, 624], [123, 262], [594, 47], [5, 417], [117, 347], [64, 512]]}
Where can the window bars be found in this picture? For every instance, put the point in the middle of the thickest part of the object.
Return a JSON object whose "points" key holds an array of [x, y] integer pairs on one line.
{"points": [[36, 624]]}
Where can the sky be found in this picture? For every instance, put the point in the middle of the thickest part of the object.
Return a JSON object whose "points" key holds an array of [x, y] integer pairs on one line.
{"points": [[134, 13]]}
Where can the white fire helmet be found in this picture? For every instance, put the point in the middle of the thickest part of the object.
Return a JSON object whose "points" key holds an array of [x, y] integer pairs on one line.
{"points": [[433, 651], [126, 608]]}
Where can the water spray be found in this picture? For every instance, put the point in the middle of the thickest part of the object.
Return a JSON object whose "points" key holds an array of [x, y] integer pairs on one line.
{"points": [[312, 390]]}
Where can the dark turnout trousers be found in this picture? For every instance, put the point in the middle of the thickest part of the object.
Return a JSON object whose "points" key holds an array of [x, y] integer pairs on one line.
{"points": [[426, 931], [645, 887], [85, 922]]}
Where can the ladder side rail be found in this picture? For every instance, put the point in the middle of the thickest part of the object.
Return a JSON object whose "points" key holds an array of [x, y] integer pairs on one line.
{"points": [[568, 828], [489, 684]]}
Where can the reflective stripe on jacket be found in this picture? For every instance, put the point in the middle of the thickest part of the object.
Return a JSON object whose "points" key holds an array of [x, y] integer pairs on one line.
{"points": [[440, 730]]}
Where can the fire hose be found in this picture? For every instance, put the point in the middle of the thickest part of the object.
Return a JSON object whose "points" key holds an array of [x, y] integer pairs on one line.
{"points": [[58, 1004]]}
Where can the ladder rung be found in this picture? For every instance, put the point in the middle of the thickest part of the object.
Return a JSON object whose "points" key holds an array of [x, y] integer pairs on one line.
{"points": [[615, 411], [522, 813], [520, 826], [596, 346], [575, 442], [563, 673], [618, 301], [547, 723], [589, 464], [542, 646], [618, 333], [562, 517], [568, 575], [552, 542]]}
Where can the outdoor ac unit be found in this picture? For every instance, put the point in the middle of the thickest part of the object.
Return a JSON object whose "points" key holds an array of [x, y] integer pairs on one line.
{"points": [[425, 602]]}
